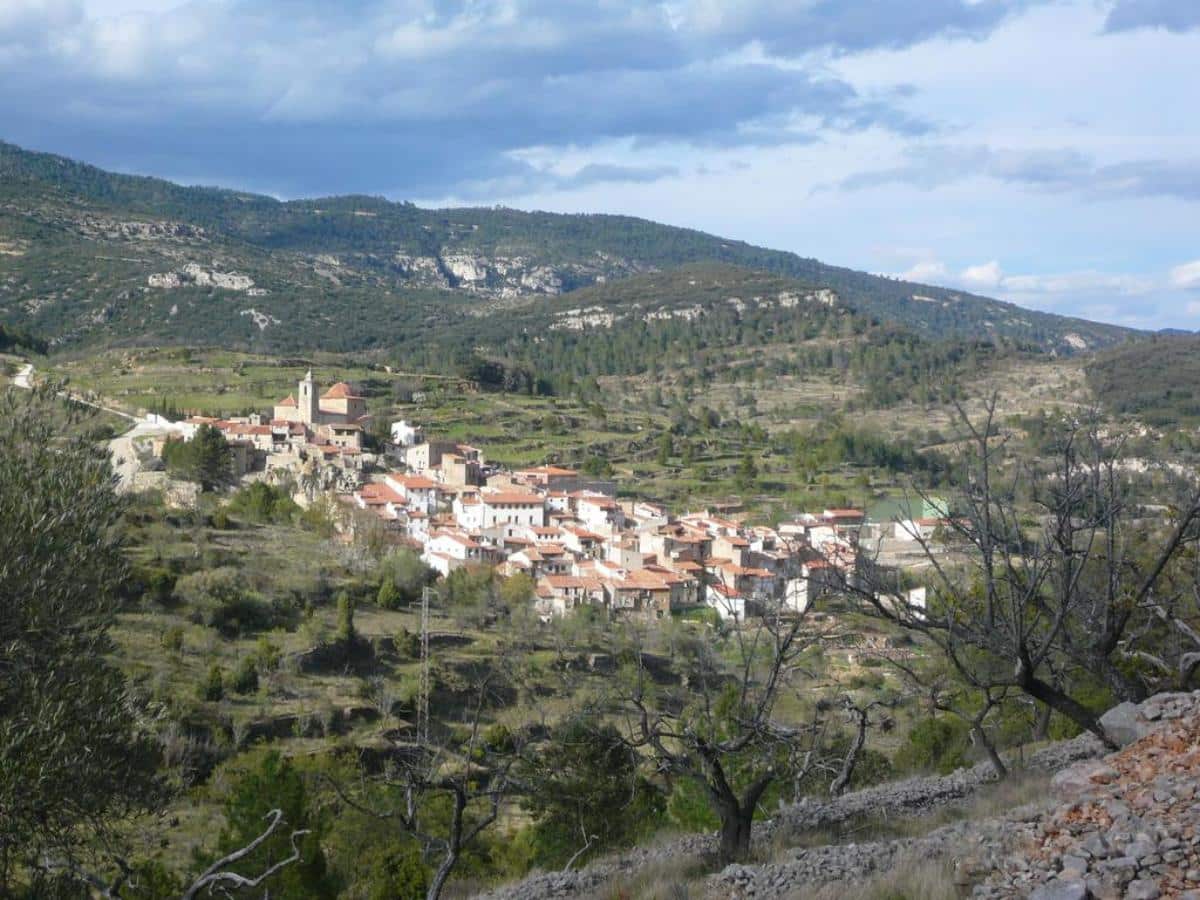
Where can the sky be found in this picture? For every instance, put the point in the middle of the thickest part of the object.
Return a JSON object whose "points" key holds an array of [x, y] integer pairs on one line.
{"points": [[1041, 151]]}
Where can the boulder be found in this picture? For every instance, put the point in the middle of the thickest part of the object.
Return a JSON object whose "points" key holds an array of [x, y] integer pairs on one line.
{"points": [[1124, 724], [1061, 889]]}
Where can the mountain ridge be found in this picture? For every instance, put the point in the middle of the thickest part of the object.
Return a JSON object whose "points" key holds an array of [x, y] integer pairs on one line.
{"points": [[290, 267]]}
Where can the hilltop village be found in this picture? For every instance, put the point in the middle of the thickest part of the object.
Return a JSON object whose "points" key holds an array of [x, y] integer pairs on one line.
{"points": [[571, 534]]}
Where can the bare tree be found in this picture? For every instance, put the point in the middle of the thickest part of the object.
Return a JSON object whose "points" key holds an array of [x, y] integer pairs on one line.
{"points": [[218, 876], [859, 715], [1071, 584], [719, 728], [475, 779]]}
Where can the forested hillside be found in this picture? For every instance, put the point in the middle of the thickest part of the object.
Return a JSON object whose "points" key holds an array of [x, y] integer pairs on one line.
{"points": [[92, 257], [1158, 380]]}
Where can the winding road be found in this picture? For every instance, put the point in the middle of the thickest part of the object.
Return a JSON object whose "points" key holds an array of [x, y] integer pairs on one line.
{"points": [[123, 452]]}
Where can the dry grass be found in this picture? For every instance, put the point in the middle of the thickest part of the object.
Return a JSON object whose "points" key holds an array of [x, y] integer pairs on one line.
{"points": [[679, 878], [912, 879], [1019, 789]]}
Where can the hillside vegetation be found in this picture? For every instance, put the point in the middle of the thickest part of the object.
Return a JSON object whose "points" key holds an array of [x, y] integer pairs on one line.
{"points": [[95, 257], [1156, 381]]}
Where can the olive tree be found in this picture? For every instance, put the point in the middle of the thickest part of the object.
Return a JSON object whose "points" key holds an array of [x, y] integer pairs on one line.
{"points": [[76, 759]]}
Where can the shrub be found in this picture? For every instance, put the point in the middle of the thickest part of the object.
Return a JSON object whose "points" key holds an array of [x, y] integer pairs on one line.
{"points": [[408, 643], [158, 585], [389, 595], [262, 502], [245, 679], [345, 627], [407, 574], [935, 745], [219, 599], [866, 680], [266, 655], [212, 688], [172, 638]]}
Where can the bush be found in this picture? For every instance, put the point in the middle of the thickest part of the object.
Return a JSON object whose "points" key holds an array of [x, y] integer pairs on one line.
{"points": [[870, 679], [345, 628], [266, 655], [212, 688], [158, 584], [408, 643], [389, 595], [407, 575], [937, 745], [245, 679], [261, 502], [219, 599], [172, 638]]}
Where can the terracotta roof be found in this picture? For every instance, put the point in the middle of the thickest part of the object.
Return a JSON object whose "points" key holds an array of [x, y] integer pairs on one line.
{"points": [[287, 401], [414, 482], [457, 538], [379, 492], [598, 500], [340, 391], [583, 534]]}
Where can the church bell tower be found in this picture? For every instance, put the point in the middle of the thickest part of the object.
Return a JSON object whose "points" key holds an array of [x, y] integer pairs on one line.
{"points": [[306, 400]]}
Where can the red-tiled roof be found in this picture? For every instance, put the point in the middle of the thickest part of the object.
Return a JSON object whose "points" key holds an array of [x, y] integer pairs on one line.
{"points": [[287, 401], [340, 391]]}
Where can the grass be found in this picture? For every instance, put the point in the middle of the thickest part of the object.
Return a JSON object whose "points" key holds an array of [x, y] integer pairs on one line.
{"points": [[990, 801], [676, 878], [912, 879]]}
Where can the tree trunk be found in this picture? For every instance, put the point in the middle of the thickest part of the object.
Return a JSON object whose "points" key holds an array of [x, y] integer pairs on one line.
{"points": [[839, 785], [440, 876], [736, 822], [1041, 725], [990, 749], [1061, 702], [453, 845]]}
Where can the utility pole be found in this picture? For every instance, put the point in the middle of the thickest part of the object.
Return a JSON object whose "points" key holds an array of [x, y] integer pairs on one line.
{"points": [[424, 688]]}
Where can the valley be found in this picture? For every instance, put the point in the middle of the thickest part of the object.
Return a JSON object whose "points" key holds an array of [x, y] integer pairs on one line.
{"points": [[530, 555]]}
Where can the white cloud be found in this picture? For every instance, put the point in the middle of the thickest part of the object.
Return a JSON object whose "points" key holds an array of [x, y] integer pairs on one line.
{"points": [[929, 271], [1192, 308], [1080, 282], [985, 276], [1186, 275], [990, 278]]}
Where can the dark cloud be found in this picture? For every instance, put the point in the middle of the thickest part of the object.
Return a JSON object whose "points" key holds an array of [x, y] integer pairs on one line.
{"points": [[1173, 15], [929, 167], [422, 97]]}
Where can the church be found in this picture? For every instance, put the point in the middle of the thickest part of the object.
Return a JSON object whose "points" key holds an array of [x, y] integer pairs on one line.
{"points": [[337, 406]]}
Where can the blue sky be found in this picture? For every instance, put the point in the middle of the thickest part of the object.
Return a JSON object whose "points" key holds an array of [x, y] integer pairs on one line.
{"points": [[1042, 151]]}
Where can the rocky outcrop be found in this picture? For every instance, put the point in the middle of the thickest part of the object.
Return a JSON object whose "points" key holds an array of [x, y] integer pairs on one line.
{"points": [[505, 277], [1127, 826], [588, 317], [195, 275], [261, 319]]}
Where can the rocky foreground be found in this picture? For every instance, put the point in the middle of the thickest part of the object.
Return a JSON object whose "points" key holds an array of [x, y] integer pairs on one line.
{"points": [[1122, 825], [1127, 826]]}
